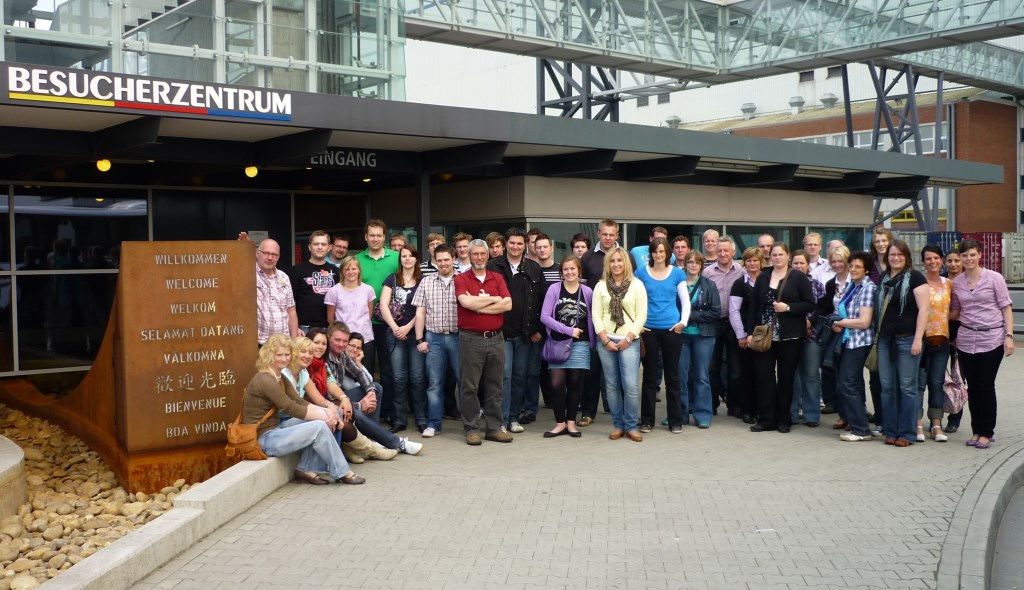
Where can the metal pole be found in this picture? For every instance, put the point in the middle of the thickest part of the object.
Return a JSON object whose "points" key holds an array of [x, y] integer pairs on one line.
{"points": [[849, 113]]}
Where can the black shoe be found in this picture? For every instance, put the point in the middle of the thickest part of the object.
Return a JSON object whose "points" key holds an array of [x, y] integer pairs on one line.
{"points": [[828, 409], [398, 427], [748, 419], [760, 428], [952, 427], [811, 424], [561, 432], [784, 429], [527, 417]]}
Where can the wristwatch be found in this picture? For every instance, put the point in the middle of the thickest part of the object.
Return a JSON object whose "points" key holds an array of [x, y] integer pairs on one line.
{"points": [[419, 341]]}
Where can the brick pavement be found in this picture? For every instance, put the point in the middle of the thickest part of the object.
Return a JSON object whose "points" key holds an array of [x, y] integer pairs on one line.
{"points": [[706, 509]]}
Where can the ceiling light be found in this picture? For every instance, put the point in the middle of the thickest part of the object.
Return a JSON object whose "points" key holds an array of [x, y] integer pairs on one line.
{"points": [[251, 171], [367, 179], [103, 165]]}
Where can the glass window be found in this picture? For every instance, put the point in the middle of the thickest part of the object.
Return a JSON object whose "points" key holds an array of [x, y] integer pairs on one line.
{"points": [[67, 245], [562, 232], [746, 236], [852, 237]]}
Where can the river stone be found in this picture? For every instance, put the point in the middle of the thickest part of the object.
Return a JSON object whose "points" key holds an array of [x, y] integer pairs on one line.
{"points": [[39, 525], [57, 560], [37, 553], [53, 532], [12, 530], [178, 483], [8, 553], [88, 489], [64, 509], [24, 582], [34, 480], [22, 564], [133, 509], [33, 454], [113, 507]]}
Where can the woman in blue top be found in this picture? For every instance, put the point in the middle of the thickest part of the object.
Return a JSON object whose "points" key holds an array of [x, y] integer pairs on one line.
{"points": [[662, 344], [699, 297]]}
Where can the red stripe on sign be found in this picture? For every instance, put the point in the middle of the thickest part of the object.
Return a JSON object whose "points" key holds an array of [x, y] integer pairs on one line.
{"points": [[159, 107]]}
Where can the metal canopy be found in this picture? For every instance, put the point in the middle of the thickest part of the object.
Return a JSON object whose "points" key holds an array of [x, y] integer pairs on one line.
{"points": [[308, 153], [719, 42]]}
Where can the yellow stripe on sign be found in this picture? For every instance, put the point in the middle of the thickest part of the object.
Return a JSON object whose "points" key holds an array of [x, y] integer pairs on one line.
{"points": [[62, 99]]}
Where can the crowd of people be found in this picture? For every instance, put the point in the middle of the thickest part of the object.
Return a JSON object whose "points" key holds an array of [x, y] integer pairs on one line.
{"points": [[483, 330]]}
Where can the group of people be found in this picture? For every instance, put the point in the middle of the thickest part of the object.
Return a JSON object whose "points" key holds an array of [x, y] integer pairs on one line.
{"points": [[772, 335]]}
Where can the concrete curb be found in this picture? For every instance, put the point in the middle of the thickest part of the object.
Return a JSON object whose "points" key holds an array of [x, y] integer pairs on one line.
{"points": [[13, 487], [967, 553], [196, 513]]}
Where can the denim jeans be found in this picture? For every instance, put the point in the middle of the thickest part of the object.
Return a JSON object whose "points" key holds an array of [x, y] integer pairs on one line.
{"points": [[850, 388], [443, 355], [897, 371], [807, 385], [533, 371], [369, 424], [321, 450], [622, 383], [932, 376], [513, 383], [694, 371], [407, 374]]}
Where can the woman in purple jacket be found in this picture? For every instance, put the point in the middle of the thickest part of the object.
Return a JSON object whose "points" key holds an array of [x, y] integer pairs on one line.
{"points": [[566, 314]]}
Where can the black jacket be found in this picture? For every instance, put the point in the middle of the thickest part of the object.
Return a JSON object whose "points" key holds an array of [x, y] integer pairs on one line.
{"points": [[796, 292], [527, 291]]}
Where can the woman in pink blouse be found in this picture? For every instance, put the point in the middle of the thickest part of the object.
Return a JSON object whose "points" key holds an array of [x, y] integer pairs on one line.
{"points": [[982, 303]]}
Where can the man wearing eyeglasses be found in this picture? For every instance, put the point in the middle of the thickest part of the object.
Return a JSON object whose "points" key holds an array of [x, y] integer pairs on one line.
{"points": [[275, 303]]}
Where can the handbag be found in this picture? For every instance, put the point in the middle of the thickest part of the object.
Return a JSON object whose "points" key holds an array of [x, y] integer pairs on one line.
{"points": [[763, 333], [242, 439], [762, 338], [871, 362], [559, 351], [955, 388]]}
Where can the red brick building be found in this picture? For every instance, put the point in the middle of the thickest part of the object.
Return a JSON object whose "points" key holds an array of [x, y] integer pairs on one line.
{"points": [[985, 129]]}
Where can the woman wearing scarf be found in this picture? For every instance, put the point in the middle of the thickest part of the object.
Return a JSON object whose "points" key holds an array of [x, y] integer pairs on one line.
{"points": [[855, 306], [903, 316], [620, 310]]}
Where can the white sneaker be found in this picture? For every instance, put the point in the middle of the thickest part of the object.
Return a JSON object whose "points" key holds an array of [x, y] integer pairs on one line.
{"points": [[851, 437], [411, 448], [876, 431], [428, 432], [515, 428]]}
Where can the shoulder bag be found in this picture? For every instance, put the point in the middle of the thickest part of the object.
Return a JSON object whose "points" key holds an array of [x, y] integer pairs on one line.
{"points": [[242, 439], [764, 333], [559, 351], [871, 362], [955, 388]]}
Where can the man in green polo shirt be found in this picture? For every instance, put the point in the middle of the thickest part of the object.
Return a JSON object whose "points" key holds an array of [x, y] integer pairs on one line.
{"points": [[377, 262]]}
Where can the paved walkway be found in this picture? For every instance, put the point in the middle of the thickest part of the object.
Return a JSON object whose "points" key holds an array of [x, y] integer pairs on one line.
{"points": [[718, 508]]}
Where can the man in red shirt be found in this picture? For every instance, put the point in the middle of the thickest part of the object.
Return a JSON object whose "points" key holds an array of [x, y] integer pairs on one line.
{"points": [[483, 300]]}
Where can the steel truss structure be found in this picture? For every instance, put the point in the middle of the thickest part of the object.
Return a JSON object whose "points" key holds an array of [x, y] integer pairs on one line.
{"points": [[718, 42]]}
